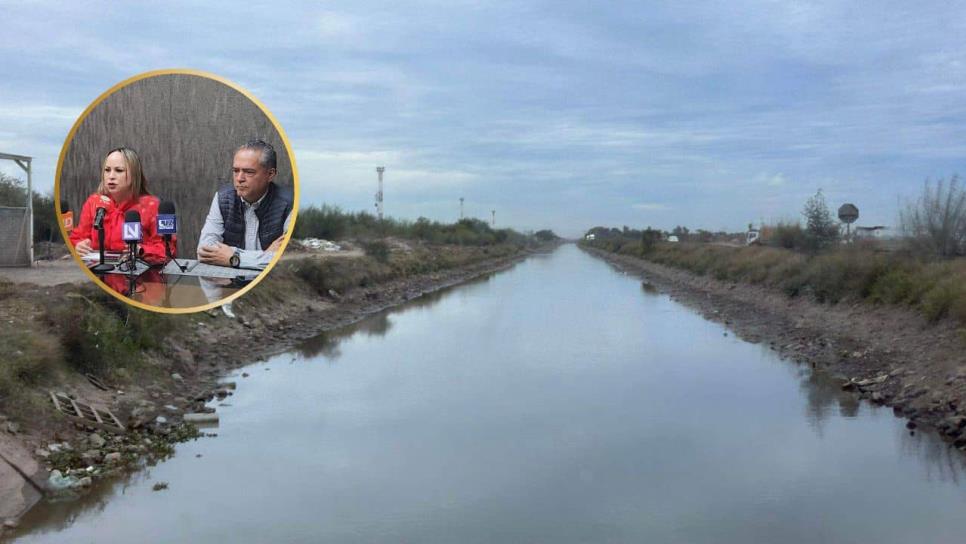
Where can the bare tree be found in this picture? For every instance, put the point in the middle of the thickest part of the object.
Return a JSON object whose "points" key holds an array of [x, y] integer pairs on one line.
{"points": [[936, 221]]}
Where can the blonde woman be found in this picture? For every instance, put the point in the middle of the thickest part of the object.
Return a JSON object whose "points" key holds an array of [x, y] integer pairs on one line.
{"points": [[123, 187]]}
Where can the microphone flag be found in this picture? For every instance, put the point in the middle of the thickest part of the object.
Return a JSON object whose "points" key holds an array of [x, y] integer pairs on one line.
{"points": [[167, 220], [66, 216]]}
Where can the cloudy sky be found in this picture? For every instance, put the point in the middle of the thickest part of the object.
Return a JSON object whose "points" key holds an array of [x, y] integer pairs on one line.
{"points": [[556, 114]]}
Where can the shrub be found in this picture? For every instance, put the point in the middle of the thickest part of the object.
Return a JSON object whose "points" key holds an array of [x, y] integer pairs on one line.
{"points": [[790, 235], [936, 222], [31, 357], [938, 301], [377, 249], [896, 286], [103, 335], [327, 222]]}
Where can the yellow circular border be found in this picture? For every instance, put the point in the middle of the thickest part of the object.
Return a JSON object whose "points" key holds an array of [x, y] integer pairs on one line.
{"points": [[246, 94]]}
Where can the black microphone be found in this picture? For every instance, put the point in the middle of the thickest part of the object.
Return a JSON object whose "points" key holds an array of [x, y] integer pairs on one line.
{"points": [[101, 266], [131, 233], [99, 218], [168, 225]]}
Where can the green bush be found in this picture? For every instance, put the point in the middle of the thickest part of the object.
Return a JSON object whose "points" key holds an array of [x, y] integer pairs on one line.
{"points": [[896, 286], [331, 223], [327, 222], [377, 249], [31, 357], [104, 336], [790, 236]]}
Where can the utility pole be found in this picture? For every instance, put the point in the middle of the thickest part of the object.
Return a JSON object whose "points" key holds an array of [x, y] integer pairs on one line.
{"points": [[461, 208], [493, 221], [379, 170]]}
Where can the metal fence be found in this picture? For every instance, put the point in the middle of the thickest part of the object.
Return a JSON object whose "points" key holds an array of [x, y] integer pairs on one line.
{"points": [[14, 236]]}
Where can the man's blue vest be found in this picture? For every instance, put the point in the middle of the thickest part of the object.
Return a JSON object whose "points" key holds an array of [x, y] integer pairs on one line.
{"points": [[271, 213]]}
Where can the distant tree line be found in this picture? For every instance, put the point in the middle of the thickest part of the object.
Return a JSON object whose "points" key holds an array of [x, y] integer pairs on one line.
{"points": [[932, 225], [331, 223]]}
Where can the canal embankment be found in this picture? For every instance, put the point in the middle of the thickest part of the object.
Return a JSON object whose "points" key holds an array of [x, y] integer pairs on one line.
{"points": [[891, 355], [150, 370]]}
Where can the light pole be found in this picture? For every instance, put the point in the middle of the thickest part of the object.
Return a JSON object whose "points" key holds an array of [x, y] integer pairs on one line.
{"points": [[379, 170]]}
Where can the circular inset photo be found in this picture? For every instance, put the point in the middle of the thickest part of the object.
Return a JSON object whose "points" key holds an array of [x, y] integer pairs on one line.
{"points": [[179, 189]]}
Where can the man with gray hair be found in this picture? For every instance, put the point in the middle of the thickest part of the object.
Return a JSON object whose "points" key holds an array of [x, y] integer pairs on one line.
{"points": [[248, 219]]}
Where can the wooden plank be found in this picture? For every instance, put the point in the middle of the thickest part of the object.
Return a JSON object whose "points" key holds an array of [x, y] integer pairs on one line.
{"points": [[53, 397], [77, 409], [87, 414], [115, 419]]}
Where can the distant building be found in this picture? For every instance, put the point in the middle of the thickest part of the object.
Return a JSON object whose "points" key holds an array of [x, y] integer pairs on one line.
{"points": [[590, 237], [877, 232], [672, 238]]}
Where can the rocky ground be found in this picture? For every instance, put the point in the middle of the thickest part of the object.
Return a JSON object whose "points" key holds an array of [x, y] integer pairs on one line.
{"points": [[56, 456], [888, 355]]}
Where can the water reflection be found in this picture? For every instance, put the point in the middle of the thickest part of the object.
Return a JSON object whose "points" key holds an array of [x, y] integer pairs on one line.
{"points": [[941, 461], [60, 512], [553, 403], [326, 344], [824, 398]]}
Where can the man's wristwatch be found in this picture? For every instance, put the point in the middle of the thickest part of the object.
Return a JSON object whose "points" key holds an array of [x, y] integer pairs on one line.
{"points": [[235, 259]]}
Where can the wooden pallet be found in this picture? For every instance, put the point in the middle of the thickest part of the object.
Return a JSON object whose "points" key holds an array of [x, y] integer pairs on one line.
{"points": [[88, 414]]}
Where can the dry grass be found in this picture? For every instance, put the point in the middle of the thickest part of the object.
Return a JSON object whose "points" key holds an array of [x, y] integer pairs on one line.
{"points": [[935, 288]]}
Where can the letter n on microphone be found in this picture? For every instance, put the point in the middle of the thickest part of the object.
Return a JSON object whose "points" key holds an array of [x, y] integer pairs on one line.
{"points": [[131, 232]]}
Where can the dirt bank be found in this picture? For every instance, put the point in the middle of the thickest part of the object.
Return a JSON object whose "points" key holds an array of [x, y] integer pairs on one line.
{"points": [[183, 365], [886, 354]]}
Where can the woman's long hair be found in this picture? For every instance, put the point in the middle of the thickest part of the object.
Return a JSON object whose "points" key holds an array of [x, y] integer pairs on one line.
{"points": [[139, 184]]}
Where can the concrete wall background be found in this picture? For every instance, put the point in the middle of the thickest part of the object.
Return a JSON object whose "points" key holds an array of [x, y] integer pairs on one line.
{"points": [[184, 128]]}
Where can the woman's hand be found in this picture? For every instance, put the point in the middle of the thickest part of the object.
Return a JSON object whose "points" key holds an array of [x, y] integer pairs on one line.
{"points": [[83, 247]]}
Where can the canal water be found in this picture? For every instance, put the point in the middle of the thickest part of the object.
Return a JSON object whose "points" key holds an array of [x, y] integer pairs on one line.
{"points": [[556, 402]]}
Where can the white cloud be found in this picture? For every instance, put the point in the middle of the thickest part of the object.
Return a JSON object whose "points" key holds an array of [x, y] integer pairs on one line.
{"points": [[651, 206], [771, 180]]}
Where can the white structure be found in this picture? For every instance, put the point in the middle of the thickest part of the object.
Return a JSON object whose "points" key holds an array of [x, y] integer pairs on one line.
{"points": [[877, 232], [379, 170], [754, 235]]}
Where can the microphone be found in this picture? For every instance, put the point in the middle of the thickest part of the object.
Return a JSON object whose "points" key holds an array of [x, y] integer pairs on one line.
{"points": [[99, 218], [100, 267], [131, 233], [66, 216], [168, 225], [167, 220]]}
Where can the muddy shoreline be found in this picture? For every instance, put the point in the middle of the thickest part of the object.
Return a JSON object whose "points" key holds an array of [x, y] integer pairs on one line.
{"points": [[196, 366], [884, 354]]}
